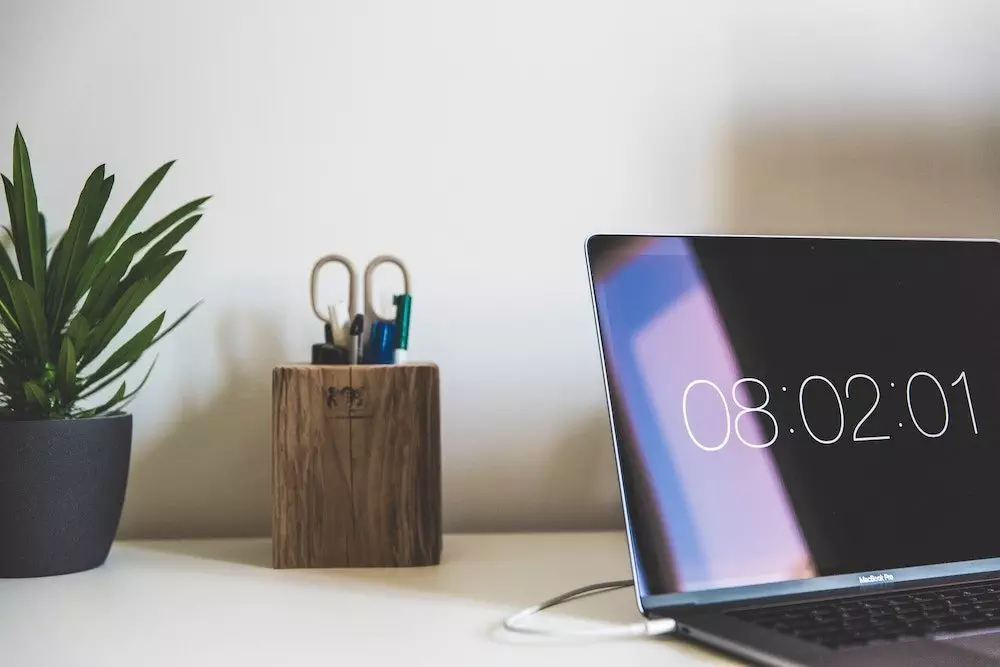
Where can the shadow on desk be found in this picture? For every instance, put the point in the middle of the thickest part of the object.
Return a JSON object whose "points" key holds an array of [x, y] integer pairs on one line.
{"points": [[497, 573], [512, 570]]}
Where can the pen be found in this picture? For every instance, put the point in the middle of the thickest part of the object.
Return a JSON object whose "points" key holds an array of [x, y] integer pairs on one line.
{"points": [[402, 303], [380, 346], [357, 326]]}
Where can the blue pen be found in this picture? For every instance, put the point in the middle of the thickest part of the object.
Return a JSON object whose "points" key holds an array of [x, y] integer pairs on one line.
{"points": [[380, 344]]}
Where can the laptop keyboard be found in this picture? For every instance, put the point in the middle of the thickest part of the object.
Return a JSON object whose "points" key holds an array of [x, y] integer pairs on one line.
{"points": [[859, 621]]}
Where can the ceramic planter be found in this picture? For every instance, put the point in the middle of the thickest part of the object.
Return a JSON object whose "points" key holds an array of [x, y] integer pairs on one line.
{"points": [[62, 487]]}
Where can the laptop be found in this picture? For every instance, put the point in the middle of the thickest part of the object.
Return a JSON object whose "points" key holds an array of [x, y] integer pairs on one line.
{"points": [[807, 435]]}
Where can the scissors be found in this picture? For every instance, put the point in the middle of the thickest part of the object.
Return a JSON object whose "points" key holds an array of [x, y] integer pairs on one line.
{"points": [[336, 315]]}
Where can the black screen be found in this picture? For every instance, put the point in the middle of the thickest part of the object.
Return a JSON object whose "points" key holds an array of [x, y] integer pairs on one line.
{"points": [[788, 408]]}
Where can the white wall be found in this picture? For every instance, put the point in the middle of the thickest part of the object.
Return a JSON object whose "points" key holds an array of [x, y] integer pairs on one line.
{"points": [[482, 141]]}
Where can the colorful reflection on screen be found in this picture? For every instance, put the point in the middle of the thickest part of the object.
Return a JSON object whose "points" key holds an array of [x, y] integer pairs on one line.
{"points": [[727, 360], [699, 516]]}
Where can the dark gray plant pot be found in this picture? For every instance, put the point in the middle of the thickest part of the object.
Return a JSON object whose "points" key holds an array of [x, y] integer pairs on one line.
{"points": [[62, 487]]}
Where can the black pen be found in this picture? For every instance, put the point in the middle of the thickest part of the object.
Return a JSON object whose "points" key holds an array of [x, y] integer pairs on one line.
{"points": [[357, 327]]}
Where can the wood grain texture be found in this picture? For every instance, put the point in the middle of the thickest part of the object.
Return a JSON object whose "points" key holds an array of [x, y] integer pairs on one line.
{"points": [[356, 477]]}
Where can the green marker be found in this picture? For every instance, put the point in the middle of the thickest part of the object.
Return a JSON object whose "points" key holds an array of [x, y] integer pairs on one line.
{"points": [[402, 303]]}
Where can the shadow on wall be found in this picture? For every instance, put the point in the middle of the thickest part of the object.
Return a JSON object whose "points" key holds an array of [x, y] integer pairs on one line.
{"points": [[863, 179], [212, 468], [582, 467], [209, 474], [848, 179], [577, 475]]}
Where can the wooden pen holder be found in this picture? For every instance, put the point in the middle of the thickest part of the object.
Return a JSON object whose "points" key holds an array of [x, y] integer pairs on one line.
{"points": [[356, 474]]}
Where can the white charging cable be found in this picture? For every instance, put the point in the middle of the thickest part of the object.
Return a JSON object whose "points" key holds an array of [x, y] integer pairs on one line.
{"points": [[649, 628]]}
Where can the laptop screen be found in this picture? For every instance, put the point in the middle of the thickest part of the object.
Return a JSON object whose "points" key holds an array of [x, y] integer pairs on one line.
{"points": [[792, 408]]}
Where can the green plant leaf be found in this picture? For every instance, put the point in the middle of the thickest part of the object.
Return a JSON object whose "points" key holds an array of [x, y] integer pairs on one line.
{"points": [[175, 323], [8, 190], [155, 254], [30, 317], [8, 319], [172, 238], [7, 277], [132, 349], [127, 303], [54, 261], [142, 383], [34, 393], [107, 405], [77, 269], [65, 300], [157, 271], [16, 221], [105, 244], [44, 234], [26, 205], [106, 283], [66, 371], [162, 267], [129, 397], [92, 389], [72, 247], [91, 220], [89, 388], [78, 330], [106, 329], [173, 217]]}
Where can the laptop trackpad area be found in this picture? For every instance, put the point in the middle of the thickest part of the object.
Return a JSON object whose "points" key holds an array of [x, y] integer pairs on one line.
{"points": [[982, 642]]}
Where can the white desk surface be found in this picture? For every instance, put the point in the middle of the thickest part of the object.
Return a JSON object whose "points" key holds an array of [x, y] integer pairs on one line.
{"points": [[218, 603]]}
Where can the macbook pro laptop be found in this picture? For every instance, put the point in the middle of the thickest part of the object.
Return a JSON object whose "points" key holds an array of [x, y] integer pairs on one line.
{"points": [[807, 433]]}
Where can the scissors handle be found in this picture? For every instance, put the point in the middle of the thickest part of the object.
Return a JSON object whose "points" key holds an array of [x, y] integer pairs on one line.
{"points": [[370, 310], [314, 284]]}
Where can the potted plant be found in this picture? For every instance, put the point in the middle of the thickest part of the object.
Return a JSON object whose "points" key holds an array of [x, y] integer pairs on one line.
{"points": [[65, 435]]}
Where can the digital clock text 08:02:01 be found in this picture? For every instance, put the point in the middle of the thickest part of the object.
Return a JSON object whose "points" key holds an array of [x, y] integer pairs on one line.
{"points": [[861, 432]]}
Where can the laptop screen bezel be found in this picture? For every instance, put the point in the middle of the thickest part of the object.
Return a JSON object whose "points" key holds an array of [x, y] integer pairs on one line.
{"points": [[854, 581]]}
